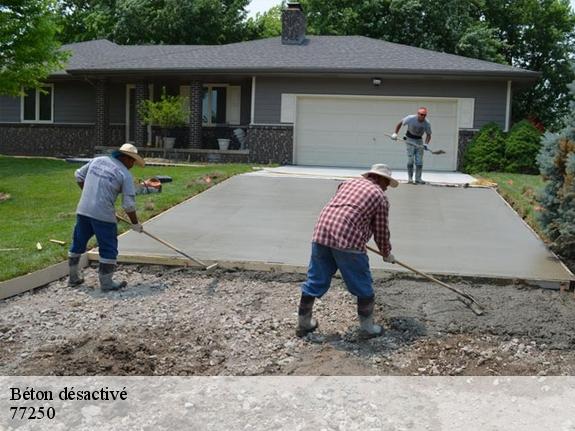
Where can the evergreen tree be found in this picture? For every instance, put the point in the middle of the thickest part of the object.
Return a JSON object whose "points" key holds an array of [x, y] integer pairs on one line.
{"points": [[557, 164]]}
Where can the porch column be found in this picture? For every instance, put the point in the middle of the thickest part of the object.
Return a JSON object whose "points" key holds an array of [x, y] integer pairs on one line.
{"points": [[139, 127], [102, 126], [195, 135]]}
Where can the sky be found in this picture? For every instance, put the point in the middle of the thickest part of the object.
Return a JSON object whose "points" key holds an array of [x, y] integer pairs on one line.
{"points": [[260, 6], [256, 6]]}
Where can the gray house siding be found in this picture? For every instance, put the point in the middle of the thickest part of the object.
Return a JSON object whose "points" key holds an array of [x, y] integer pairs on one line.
{"points": [[9, 109], [490, 96], [74, 103]]}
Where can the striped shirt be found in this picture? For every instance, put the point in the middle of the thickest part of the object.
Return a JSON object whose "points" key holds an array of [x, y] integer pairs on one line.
{"points": [[358, 210]]}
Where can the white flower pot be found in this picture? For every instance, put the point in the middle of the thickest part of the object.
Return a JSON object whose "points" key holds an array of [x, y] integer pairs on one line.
{"points": [[224, 144], [169, 143]]}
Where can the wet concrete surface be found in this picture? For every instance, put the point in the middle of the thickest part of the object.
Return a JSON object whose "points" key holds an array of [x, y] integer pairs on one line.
{"points": [[468, 232]]}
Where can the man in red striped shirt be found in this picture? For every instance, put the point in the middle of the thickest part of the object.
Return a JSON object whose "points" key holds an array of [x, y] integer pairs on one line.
{"points": [[358, 210]]}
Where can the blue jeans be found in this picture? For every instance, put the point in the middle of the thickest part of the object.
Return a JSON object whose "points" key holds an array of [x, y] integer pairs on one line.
{"points": [[106, 234], [325, 261], [414, 149]]}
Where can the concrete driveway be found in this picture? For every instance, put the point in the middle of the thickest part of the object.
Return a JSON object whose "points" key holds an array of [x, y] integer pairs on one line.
{"points": [[257, 220]]}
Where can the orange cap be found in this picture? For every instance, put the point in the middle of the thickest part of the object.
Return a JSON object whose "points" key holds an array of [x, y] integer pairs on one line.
{"points": [[422, 111]]}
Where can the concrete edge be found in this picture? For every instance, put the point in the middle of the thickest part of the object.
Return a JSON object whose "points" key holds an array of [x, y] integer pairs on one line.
{"points": [[567, 270], [36, 279], [300, 269]]}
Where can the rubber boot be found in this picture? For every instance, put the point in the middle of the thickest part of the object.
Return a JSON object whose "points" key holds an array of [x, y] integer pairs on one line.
{"points": [[365, 313], [75, 274], [418, 172], [305, 323], [105, 273], [410, 174]]}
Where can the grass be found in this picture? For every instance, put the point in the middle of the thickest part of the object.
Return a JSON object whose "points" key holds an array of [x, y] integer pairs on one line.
{"points": [[520, 191], [38, 199]]}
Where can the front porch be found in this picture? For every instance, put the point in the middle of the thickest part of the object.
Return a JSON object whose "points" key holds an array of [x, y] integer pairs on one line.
{"points": [[187, 154]]}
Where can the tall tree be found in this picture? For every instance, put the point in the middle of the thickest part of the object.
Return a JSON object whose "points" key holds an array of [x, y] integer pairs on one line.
{"points": [[538, 35], [28, 46], [155, 21]]}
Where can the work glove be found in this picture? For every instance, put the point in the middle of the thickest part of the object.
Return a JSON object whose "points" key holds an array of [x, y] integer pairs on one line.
{"points": [[390, 258], [137, 228], [394, 136]]}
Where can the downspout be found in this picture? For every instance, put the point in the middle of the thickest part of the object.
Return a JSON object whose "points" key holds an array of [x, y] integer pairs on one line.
{"points": [[508, 108], [253, 104]]}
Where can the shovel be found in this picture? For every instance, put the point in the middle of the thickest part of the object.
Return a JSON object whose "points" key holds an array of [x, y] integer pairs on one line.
{"points": [[435, 153], [464, 297], [167, 244]]}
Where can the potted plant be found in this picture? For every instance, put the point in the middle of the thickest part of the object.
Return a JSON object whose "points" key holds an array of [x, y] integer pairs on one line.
{"points": [[166, 113]]}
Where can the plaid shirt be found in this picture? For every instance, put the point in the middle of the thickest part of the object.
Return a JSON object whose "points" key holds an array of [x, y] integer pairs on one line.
{"points": [[358, 210]]}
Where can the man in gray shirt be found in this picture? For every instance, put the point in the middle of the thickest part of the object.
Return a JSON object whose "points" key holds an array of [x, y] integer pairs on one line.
{"points": [[101, 181], [417, 125]]}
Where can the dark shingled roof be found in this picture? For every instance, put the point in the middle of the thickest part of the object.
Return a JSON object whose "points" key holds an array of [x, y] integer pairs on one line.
{"points": [[318, 54]]}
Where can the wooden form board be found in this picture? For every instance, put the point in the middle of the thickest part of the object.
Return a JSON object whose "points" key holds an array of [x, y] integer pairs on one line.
{"points": [[36, 279]]}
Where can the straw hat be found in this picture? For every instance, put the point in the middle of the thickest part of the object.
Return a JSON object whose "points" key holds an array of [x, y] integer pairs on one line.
{"points": [[383, 171], [131, 151]]}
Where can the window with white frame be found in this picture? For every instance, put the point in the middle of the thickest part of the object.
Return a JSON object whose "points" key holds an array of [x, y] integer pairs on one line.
{"points": [[220, 103], [38, 104]]}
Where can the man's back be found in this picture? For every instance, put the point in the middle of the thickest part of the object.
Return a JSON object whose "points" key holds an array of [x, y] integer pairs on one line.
{"points": [[346, 221], [104, 178]]}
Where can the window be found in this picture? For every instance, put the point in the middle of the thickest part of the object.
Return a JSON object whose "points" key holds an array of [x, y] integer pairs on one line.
{"points": [[220, 103], [214, 105], [37, 104]]}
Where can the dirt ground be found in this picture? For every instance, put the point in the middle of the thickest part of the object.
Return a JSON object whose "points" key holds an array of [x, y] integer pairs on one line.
{"points": [[178, 321]]}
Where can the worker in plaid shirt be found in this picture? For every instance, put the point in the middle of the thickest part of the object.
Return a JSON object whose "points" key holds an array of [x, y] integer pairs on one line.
{"points": [[358, 210]]}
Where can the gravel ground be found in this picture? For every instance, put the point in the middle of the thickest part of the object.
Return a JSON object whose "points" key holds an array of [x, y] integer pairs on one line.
{"points": [[177, 321]]}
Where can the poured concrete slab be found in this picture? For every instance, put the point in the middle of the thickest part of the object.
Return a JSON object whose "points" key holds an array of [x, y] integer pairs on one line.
{"points": [[433, 177], [270, 219]]}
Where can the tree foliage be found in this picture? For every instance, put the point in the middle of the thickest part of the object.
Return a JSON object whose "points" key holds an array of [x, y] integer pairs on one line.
{"points": [[522, 146], [173, 22], [557, 163], [538, 35], [486, 151], [29, 50]]}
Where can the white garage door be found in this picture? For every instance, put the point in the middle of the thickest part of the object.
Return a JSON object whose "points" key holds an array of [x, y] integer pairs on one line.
{"points": [[349, 131]]}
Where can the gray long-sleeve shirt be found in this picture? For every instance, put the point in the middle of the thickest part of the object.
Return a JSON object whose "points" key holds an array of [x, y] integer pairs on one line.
{"points": [[104, 179]]}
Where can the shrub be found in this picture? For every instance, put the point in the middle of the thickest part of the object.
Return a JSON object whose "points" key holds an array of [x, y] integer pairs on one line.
{"points": [[486, 150], [521, 148], [167, 113], [557, 164]]}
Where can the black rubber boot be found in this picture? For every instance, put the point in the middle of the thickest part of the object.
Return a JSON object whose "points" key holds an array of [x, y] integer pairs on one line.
{"points": [[305, 322], [75, 278], [365, 308], [105, 273]]}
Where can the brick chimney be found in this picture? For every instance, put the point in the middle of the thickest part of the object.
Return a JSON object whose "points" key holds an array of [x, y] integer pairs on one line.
{"points": [[293, 24]]}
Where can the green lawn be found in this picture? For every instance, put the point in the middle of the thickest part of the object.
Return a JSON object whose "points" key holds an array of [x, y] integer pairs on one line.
{"points": [[520, 191], [43, 198]]}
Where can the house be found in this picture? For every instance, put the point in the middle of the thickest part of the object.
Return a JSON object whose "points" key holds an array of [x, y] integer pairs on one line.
{"points": [[307, 100]]}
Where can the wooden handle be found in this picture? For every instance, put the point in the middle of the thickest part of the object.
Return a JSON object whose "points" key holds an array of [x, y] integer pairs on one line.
{"points": [[167, 244], [429, 277]]}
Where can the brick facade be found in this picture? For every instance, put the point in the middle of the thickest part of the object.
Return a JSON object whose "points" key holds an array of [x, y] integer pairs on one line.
{"points": [[101, 131], [271, 144], [195, 128], [465, 136], [47, 140], [142, 93]]}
